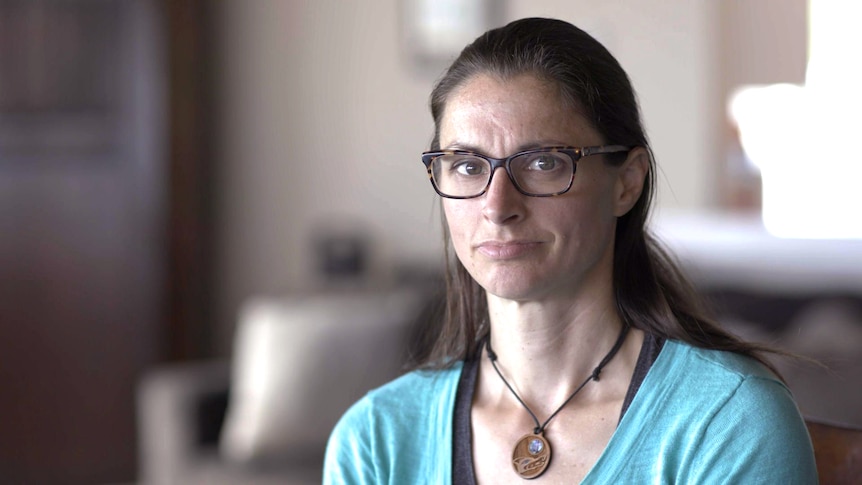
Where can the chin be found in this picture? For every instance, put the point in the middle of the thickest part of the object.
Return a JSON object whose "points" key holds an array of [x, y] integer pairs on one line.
{"points": [[517, 288]]}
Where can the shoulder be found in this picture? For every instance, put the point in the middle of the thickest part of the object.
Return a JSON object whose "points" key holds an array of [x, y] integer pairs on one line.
{"points": [[392, 425], [716, 386], [416, 386], [399, 402], [728, 366], [720, 417], [712, 379]]}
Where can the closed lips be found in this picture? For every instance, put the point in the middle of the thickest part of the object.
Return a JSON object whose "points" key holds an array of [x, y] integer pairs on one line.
{"points": [[506, 249]]}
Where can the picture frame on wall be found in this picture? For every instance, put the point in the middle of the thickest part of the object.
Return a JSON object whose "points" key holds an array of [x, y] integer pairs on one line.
{"points": [[435, 31]]}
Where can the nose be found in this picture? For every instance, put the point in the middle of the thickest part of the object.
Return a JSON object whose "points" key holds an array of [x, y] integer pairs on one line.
{"points": [[502, 203]]}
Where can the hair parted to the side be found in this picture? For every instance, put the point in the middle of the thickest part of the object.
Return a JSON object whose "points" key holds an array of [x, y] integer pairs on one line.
{"points": [[651, 292]]}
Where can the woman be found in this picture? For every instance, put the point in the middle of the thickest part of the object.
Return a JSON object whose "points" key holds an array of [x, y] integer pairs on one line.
{"points": [[573, 350]]}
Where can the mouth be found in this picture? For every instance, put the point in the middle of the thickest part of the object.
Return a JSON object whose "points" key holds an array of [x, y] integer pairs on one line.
{"points": [[506, 250]]}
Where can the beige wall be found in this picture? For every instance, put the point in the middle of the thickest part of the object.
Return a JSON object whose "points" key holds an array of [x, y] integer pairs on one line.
{"points": [[322, 125], [323, 121]]}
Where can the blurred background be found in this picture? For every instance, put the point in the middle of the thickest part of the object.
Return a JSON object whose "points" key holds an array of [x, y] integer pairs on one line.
{"points": [[162, 162]]}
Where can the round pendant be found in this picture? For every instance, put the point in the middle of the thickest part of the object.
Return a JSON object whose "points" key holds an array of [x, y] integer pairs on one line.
{"points": [[531, 456]]}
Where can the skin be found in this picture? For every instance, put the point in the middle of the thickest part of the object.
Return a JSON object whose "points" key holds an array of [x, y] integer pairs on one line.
{"points": [[546, 265]]}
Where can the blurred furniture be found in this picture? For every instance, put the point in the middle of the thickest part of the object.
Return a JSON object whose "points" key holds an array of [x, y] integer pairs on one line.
{"points": [[838, 451], [265, 417], [799, 295]]}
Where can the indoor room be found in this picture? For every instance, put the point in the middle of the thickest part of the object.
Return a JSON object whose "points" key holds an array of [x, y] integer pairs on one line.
{"points": [[216, 231]]}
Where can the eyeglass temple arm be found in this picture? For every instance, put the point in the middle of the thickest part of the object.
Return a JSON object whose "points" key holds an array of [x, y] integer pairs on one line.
{"points": [[587, 151]]}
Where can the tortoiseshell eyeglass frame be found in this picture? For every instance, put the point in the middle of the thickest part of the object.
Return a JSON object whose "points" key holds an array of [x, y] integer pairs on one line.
{"points": [[575, 153]]}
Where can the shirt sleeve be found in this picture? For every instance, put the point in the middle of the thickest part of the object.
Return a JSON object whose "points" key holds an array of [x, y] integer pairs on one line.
{"points": [[349, 459], [757, 437]]}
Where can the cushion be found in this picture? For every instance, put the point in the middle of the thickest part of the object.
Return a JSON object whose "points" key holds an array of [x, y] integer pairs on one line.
{"points": [[299, 363]]}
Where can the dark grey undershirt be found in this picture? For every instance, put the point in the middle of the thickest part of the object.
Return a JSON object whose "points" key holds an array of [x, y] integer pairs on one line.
{"points": [[462, 435]]}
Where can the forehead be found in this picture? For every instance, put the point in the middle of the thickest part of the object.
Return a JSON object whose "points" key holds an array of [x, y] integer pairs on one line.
{"points": [[489, 87], [521, 110]]}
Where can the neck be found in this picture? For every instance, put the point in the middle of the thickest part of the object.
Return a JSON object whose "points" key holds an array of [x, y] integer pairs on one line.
{"points": [[546, 351], [594, 376]]}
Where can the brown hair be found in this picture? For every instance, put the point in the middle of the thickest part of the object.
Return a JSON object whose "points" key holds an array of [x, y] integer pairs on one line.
{"points": [[651, 293]]}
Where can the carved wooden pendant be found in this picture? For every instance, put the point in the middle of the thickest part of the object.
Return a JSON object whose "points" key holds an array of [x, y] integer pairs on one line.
{"points": [[531, 456]]}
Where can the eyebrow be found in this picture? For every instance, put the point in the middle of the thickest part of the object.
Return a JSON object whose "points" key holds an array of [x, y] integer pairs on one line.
{"points": [[521, 148]]}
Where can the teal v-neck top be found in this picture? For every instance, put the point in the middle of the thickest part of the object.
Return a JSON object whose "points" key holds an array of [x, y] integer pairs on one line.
{"points": [[700, 416]]}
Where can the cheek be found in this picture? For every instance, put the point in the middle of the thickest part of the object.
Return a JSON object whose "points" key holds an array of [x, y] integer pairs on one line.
{"points": [[586, 218], [599, 194], [456, 220], [461, 222]]}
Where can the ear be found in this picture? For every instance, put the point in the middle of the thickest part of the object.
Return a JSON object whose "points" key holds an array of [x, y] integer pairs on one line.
{"points": [[630, 180]]}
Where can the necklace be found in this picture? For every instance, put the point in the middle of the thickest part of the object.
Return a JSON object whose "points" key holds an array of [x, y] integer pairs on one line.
{"points": [[532, 452]]}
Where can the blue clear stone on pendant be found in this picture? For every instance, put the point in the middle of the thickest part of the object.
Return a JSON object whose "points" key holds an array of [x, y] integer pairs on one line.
{"points": [[536, 446]]}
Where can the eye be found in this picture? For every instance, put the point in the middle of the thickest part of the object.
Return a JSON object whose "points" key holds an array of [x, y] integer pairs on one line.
{"points": [[543, 163], [468, 166]]}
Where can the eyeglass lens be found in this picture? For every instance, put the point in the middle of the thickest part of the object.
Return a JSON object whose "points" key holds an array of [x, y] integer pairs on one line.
{"points": [[538, 173]]}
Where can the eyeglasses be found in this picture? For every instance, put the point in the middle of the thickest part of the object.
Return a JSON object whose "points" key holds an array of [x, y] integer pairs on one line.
{"points": [[543, 172]]}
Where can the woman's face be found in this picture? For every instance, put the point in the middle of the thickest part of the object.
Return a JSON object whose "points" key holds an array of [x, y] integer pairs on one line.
{"points": [[531, 248]]}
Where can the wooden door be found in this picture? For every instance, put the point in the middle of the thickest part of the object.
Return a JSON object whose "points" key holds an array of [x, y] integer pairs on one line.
{"points": [[82, 233]]}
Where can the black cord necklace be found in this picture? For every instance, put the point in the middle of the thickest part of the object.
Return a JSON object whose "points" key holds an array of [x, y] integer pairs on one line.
{"points": [[532, 453]]}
